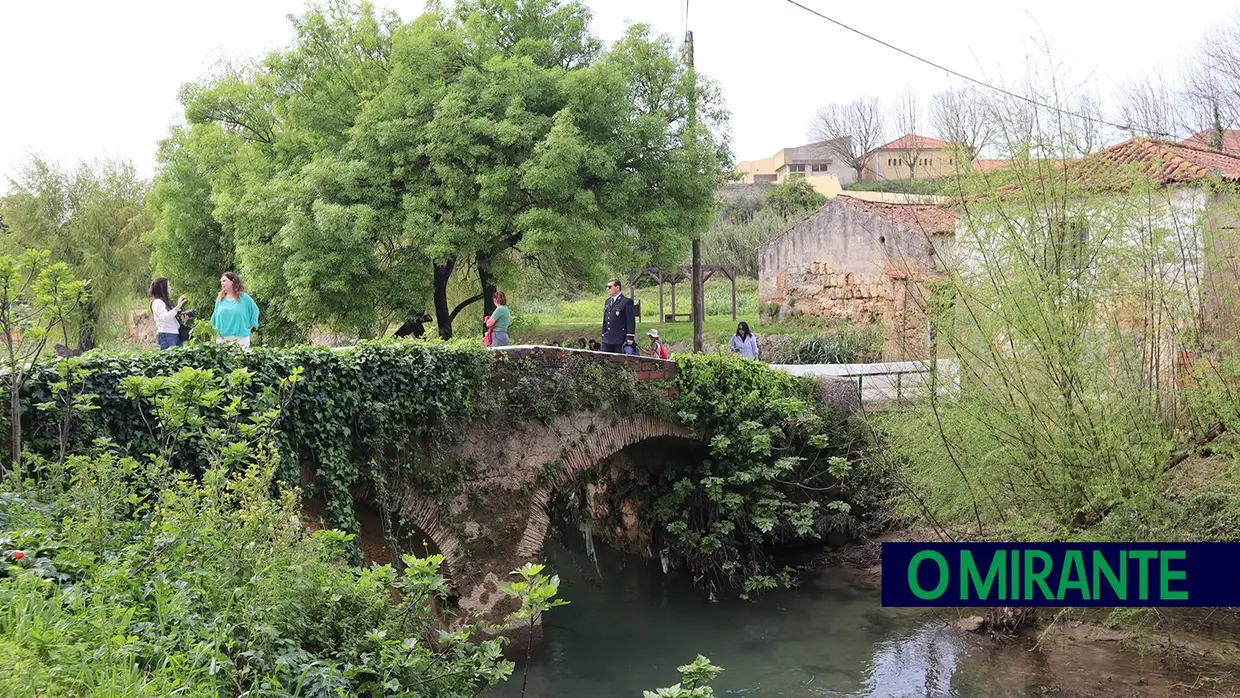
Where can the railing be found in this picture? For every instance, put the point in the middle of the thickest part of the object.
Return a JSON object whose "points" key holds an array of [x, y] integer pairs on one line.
{"points": [[876, 382]]}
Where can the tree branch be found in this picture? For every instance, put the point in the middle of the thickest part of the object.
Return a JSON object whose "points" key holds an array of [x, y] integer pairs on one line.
{"points": [[463, 305]]}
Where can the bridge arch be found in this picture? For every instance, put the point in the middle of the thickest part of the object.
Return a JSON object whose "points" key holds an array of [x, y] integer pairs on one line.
{"points": [[485, 536], [587, 455]]}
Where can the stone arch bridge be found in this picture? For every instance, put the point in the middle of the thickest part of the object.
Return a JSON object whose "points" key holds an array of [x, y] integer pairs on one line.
{"points": [[510, 471]]}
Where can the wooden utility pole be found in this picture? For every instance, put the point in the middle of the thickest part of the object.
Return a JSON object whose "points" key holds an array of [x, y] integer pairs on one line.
{"points": [[696, 285]]}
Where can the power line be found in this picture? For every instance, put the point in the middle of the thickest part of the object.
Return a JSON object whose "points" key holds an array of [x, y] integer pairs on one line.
{"points": [[962, 76]]}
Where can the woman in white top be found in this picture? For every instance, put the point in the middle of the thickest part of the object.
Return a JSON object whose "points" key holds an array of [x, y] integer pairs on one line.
{"points": [[744, 342], [167, 326]]}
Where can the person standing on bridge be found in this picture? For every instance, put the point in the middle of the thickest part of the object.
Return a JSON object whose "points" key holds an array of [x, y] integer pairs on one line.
{"points": [[744, 342], [236, 314], [618, 320], [499, 320]]}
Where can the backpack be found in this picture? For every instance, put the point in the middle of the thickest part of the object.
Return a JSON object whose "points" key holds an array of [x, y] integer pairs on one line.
{"points": [[186, 320]]}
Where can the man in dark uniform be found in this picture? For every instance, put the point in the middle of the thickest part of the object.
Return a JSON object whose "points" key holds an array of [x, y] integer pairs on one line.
{"points": [[618, 320]]}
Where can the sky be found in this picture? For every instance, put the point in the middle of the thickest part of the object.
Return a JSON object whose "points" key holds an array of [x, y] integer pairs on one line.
{"points": [[84, 79]]}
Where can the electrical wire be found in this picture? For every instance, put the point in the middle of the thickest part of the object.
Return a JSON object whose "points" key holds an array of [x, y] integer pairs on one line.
{"points": [[962, 76]]}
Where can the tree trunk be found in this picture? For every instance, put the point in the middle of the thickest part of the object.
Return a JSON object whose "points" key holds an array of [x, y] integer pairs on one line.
{"points": [[86, 331], [443, 316], [15, 414], [487, 281]]}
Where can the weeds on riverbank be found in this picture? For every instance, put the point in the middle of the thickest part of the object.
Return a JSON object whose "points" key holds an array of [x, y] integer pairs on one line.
{"points": [[1087, 326]]}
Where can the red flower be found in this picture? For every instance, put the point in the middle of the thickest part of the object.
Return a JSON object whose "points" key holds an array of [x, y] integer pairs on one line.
{"points": [[18, 555]]}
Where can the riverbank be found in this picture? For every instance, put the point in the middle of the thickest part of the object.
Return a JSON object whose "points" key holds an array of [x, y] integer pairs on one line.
{"points": [[1132, 652]]}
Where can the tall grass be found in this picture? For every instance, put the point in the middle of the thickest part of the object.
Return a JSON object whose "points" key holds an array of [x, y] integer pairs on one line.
{"points": [[737, 243], [844, 344]]}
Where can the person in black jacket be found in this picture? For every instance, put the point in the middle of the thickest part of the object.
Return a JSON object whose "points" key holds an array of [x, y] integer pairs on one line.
{"points": [[618, 322]]}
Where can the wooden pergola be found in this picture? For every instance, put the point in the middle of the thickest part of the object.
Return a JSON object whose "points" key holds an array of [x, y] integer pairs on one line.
{"points": [[678, 274]]}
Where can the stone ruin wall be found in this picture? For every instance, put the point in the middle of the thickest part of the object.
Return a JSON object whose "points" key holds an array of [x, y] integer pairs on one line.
{"points": [[884, 298]]}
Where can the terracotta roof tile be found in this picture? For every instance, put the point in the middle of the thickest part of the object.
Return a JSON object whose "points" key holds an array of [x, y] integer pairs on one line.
{"points": [[913, 141], [923, 217], [1163, 162], [1203, 140]]}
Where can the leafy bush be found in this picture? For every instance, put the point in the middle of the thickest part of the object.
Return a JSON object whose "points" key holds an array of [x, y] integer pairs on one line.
{"points": [[777, 472], [695, 680], [388, 406], [119, 576]]}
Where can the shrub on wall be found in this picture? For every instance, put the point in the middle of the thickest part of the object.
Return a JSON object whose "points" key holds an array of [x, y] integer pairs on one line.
{"points": [[388, 405], [777, 472]]}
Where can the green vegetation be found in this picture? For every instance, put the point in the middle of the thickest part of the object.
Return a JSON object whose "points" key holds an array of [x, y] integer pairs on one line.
{"points": [[742, 226], [694, 683], [385, 411], [92, 219], [841, 344], [378, 168], [1066, 336], [930, 186], [778, 472], [121, 576], [37, 298], [792, 197], [736, 241]]}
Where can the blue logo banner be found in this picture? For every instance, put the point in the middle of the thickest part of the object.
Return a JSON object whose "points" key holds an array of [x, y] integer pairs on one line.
{"points": [[1061, 574]]}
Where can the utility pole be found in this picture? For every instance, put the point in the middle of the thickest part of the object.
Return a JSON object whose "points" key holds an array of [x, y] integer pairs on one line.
{"points": [[699, 313]]}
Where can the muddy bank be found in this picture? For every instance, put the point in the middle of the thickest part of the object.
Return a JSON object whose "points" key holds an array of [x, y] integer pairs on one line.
{"points": [[1089, 652]]}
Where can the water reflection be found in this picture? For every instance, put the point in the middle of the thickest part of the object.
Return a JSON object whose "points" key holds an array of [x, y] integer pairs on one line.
{"points": [[630, 630]]}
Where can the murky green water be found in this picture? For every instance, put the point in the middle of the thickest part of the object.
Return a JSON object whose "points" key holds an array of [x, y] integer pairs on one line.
{"points": [[629, 626]]}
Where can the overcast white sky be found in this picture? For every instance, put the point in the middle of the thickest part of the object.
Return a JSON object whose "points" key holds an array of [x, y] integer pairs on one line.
{"points": [[87, 78]]}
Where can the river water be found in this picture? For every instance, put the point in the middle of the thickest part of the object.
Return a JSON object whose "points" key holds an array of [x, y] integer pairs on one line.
{"points": [[628, 627]]}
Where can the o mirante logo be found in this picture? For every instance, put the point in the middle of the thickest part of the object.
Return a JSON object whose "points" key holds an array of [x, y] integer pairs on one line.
{"points": [[1061, 574]]}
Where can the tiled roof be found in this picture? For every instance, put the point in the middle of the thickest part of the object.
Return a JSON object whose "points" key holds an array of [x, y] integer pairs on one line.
{"points": [[1164, 162], [1205, 139], [923, 217], [914, 142]]}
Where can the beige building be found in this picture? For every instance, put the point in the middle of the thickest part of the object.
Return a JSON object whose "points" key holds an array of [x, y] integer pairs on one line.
{"points": [[813, 161], [863, 262], [911, 157]]}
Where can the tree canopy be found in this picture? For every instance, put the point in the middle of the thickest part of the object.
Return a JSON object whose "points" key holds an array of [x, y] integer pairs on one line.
{"points": [[355, 174], [92, 218]]}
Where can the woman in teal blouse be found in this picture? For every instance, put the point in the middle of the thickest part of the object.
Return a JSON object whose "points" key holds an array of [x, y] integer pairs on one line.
{"points": [[235, 314]]}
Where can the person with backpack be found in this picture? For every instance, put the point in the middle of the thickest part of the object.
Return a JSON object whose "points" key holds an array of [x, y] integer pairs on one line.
{"points": [[657, 347]]}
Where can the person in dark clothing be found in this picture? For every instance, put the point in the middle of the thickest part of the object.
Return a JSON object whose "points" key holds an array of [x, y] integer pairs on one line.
{"points": [[618, 320]]}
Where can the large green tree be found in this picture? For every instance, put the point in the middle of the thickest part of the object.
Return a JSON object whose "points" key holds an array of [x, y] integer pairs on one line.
{"points": [[354, 175], [92, 218]]}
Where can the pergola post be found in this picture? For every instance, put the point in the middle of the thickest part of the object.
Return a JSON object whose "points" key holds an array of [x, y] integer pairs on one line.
{"points": [[733, 280], [661, 316]]}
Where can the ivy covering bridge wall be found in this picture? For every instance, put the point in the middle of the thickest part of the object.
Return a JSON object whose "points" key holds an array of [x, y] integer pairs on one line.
{"points": [[385, 409]]}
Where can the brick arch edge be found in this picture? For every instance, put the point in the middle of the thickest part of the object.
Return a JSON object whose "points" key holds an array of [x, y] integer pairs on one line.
{"points": [[606, 442]]}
